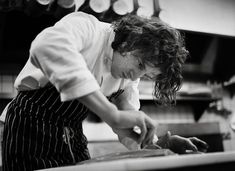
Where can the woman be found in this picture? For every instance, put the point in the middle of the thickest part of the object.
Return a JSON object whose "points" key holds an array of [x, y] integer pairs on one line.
{"points": [[72, 68]]}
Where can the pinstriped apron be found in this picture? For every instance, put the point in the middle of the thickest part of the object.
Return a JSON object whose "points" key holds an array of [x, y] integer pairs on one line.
{"points": [[41, 131]]}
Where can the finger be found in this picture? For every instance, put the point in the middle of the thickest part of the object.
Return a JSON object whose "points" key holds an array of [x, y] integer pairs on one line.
{"points": [[149, 137], [199, 142], [168, 134], [151, 130], [143, 132], [154, 123], [191, 146], [202, 145]]}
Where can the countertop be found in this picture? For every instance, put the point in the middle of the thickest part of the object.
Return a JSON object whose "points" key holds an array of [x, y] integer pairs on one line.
{"points": [[215, 160]]}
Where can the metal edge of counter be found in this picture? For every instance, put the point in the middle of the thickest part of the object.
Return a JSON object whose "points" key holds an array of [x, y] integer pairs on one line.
{"points": [[156, 163]]}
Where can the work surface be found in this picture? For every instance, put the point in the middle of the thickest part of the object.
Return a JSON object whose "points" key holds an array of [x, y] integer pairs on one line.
{"points": [[216, 161]]}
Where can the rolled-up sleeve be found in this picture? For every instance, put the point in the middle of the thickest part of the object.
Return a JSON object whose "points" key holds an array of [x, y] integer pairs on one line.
{"points": [[57, 52]]}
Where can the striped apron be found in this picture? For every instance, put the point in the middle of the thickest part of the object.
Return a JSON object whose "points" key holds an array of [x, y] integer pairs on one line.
{"points": [[42, 132]]}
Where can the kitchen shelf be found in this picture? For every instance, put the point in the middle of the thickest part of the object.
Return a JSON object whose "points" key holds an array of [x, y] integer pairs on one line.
{"points": [[196, 94], [198, 104], [148, 97]]}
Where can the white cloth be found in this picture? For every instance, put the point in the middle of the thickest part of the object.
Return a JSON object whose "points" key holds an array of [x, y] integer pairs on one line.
{"points": [[75, 55]]}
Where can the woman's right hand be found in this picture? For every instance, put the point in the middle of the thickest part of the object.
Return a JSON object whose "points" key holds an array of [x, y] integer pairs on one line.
{"points": [[129, 121]]}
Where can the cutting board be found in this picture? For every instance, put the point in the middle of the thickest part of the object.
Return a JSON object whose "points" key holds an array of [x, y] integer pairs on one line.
{"points": [[130, 154]]}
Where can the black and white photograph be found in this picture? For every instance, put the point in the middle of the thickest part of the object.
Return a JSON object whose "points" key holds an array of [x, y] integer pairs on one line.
{"points": [[117, 85]]}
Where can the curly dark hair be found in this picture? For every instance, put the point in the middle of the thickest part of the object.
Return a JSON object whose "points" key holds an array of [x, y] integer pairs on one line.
{"points": [[158, 45]]}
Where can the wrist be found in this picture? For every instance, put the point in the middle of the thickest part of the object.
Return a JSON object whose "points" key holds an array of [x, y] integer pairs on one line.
{"points": [[112, 116], [99, 105], [164, 141]]}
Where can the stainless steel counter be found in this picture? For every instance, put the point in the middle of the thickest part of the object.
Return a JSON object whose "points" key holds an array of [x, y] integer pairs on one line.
{"points": [[174, 162]]}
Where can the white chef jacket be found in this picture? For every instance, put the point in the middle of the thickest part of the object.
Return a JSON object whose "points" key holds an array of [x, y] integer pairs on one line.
{"points": [[75, 55]]}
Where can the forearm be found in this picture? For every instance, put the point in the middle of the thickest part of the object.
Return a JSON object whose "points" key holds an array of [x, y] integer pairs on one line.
{"points": [[100, 105]]}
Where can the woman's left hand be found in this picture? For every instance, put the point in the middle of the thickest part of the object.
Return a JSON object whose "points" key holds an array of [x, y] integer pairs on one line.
{"points": [[183, 145]]}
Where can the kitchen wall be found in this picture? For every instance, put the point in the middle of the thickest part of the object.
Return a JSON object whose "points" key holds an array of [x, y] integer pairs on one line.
{"points": [[206, 16]]}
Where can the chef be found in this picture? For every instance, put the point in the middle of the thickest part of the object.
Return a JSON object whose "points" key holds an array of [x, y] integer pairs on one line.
{"points": [[82, 64]]}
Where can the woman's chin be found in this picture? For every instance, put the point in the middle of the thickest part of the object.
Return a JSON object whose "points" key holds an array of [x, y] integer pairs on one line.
{"points": [[115, 75]]}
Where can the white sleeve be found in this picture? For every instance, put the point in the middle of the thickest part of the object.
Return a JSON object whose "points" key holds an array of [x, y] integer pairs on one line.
{"points": [[129, 99], [56, 51]]}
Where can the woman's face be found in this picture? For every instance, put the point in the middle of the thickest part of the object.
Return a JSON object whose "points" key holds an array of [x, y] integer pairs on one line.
{"points": [[129, 66]]}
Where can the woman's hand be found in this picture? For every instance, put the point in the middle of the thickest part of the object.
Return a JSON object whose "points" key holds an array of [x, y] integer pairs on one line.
{"points": [[182, 145], [129, 139], [135, 125]]}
